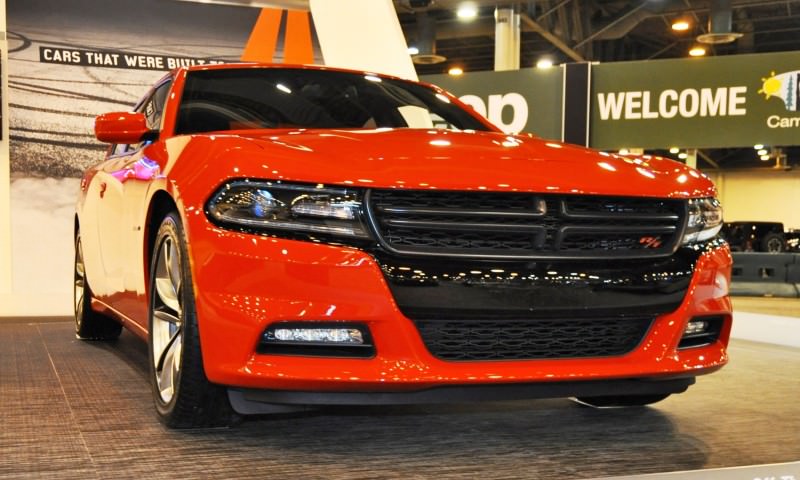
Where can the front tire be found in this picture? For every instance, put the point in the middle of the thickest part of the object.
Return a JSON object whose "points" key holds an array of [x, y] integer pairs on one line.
{"points": [[621, 400], [184, 398], [89, 325]]}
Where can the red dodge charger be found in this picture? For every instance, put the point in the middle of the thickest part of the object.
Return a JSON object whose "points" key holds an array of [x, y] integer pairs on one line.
{"points": [[293, 236]]}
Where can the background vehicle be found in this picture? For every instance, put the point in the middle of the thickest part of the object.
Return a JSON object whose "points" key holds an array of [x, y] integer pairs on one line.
{"points": [[759, 237], [287, 236]]}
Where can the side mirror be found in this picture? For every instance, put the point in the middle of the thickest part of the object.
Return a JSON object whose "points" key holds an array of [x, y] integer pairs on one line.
{"points": [[121, 127]]}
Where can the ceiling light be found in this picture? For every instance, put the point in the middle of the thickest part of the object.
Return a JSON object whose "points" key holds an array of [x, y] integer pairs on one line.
{"points": [[455, 71], [624, 151], [758, 146], [674, 150], [467, 11], [680, 25], [762, 151], [682, 156], [764, 157], [544, 63], [697, 51], [413, 50]]}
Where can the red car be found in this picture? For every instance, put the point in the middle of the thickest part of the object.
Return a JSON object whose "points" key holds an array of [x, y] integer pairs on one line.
{"points": [[292, 236]]}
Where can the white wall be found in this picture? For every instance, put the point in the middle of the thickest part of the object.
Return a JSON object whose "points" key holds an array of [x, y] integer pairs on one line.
{"points": [[344, 27], [771, 195]]}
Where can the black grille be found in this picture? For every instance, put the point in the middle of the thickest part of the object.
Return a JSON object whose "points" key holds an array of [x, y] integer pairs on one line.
{"points": [[515, 225], [480, 340]]}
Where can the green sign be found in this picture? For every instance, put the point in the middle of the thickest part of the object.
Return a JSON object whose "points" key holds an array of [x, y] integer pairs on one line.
{"points": [[527, 100], [728, 101]]}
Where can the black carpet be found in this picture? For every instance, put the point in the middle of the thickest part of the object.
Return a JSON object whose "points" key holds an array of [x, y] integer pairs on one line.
{"points": [[72, 409]]}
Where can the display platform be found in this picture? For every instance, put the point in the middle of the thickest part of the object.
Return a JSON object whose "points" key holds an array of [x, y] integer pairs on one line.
{"points": [[73, 409]]}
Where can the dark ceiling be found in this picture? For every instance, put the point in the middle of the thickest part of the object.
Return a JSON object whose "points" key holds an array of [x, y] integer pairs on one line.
{"points": [[608, 31], [601, 30]]}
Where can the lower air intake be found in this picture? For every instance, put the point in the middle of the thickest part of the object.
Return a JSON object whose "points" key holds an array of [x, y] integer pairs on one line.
{"points": [[480, 340]]}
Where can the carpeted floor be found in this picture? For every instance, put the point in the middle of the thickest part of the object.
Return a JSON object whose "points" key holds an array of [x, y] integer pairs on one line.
{"points": [[71, 409]]}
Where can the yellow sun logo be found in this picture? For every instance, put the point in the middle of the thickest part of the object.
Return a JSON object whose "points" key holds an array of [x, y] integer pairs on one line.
{"points": [[771, 86]]}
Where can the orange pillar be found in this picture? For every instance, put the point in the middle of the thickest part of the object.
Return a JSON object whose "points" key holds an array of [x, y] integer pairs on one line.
{"points": [[297, 46], [264, 37]]}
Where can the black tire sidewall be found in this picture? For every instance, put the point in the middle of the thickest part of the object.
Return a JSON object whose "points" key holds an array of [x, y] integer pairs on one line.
{"points": [[78, 318], [90, 325], [170, 227]]}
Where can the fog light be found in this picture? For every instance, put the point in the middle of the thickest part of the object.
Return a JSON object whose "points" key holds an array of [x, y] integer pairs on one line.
{"points": [[318, 339], [701, 331], [349, 336], [695, 327]]}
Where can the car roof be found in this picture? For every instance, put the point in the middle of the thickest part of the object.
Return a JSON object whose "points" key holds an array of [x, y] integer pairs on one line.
{"points": [[245, 65]]}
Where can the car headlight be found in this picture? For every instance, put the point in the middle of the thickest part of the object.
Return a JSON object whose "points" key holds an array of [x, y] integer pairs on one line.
{"points": [[704, 220], [288, 207]]}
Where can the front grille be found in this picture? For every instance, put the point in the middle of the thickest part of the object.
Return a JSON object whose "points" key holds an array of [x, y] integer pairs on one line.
{"points": [[480, 340], [519, 225]]}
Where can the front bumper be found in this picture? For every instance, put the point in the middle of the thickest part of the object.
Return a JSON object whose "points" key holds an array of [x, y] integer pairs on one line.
{"points": [[243, 283]]}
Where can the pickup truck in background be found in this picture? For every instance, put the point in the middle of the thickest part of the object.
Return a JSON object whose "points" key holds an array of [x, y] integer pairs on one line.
{"points": [[760, 237]]}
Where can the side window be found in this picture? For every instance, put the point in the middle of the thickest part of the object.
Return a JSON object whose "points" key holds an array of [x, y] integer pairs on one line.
{"points": [[119, 149], [153, 108]]}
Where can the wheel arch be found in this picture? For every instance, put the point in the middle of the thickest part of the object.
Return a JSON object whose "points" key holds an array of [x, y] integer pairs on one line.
{"points": [[161, 204]]}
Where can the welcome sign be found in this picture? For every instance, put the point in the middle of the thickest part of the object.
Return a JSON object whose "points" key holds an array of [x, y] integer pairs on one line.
{"points": [[730, 101]]}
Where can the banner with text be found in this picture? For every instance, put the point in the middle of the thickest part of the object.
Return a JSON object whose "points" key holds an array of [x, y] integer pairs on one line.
{"points": [[527, 100], [117, 59], [729, 101]]}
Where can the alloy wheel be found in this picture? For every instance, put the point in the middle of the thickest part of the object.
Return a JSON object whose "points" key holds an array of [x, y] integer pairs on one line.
{"points": [[79, 289], [167, 326]]}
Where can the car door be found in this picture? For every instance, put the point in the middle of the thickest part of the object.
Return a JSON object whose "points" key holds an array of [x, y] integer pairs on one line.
{"points": [[122, 184]]}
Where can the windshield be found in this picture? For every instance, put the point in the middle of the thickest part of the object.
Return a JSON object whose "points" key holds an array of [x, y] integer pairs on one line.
{"points": [[248, 98]]}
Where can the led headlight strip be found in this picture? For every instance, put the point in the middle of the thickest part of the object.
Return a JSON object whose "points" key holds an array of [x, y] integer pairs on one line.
{"points": [[288, 207], [704, 220]]}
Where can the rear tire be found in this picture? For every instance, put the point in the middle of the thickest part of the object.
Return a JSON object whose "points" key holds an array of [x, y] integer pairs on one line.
{"points": [[184, 398], [89, 325], [621, 400]]}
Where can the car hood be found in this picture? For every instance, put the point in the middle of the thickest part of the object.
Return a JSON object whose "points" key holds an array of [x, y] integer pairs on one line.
{"points": [[439, 159]]}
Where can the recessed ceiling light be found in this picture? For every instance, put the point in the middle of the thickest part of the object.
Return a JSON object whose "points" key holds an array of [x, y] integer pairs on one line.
{"points": [[758, 146], [674, 150], [680, 25], [413, 50], [697, 51], [764, 157], [682, 156], [467, 11], [762, 151], [455, 71], [544, 63]]}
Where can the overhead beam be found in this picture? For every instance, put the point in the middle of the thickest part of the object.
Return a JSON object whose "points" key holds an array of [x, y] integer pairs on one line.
{"points": [[551, 37], [545, 14], [601, 31]]}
